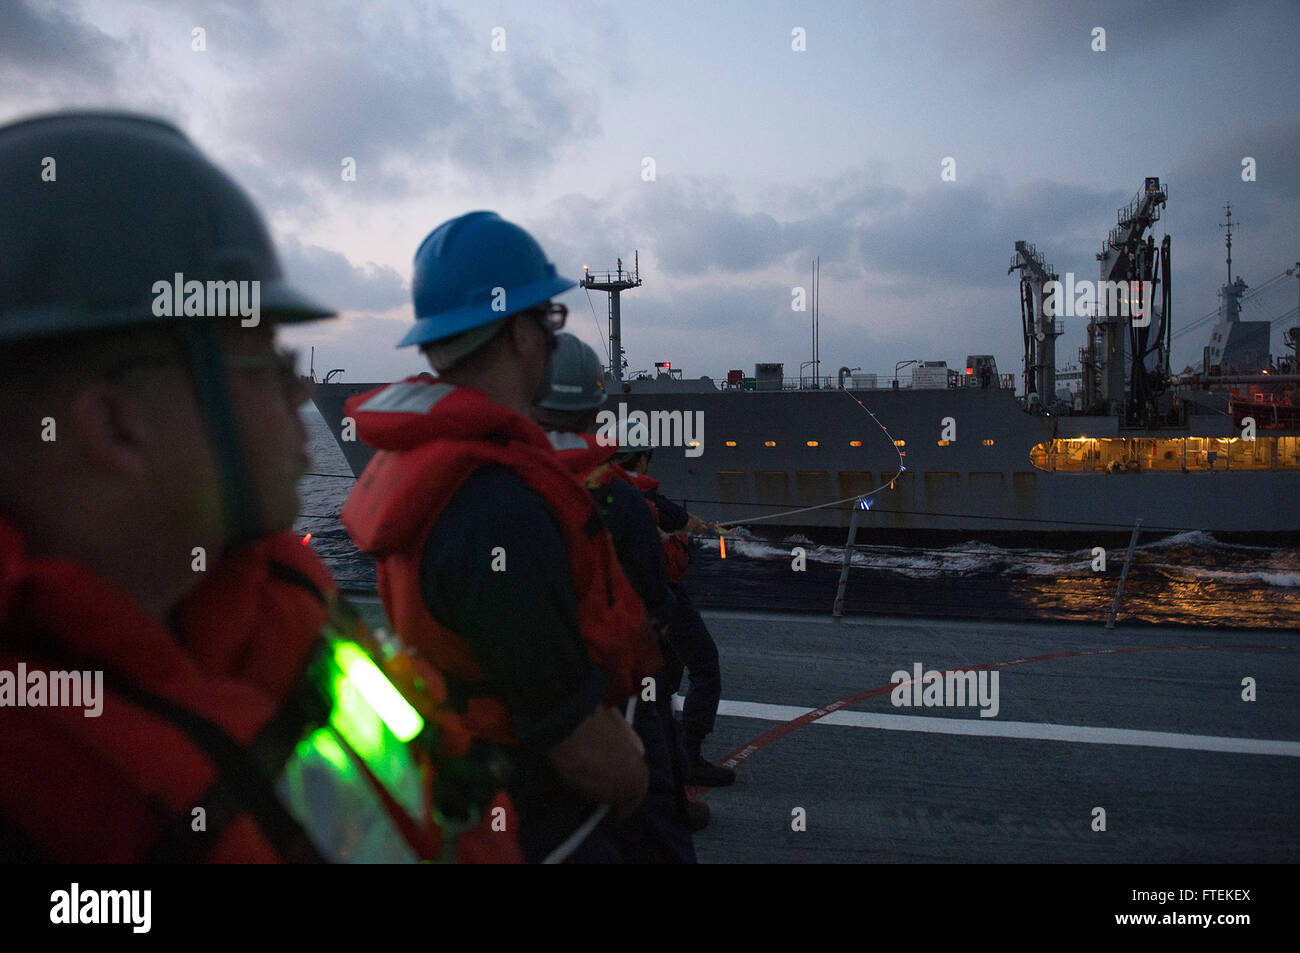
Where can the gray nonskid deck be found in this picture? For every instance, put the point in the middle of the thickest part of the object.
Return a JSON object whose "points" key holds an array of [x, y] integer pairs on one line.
{"points": [[874, 794], [1125, 731]]}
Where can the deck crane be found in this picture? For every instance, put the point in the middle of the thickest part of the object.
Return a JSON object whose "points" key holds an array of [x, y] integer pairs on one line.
{"points": [[1040, 330], [1122, 351]]}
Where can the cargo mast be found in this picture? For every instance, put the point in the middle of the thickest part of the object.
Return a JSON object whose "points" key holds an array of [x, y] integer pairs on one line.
{"points": [[1040, 330], [1124, 257]]}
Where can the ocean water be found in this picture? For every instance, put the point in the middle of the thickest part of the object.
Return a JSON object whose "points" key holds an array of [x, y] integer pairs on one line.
{"points": [[1188, 579]]}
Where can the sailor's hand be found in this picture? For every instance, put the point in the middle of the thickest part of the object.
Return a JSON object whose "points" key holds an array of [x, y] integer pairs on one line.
{"points": [[697, 527], [605, 760]]}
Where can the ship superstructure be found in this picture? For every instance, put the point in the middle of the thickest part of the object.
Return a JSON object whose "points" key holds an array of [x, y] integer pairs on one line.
{"points": [[1090, 449]]}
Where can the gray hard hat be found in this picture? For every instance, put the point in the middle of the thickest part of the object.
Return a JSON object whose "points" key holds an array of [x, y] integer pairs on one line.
{"points": [[96, 208], [577, 379]]}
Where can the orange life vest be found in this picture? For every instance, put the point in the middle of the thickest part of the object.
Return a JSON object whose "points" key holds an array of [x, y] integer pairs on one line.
{"points": [[591, 462], [676, 554], [224, 711], [431, 438]]}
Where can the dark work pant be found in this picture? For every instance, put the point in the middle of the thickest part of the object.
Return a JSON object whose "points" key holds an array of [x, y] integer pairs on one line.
{"points": [[656, 833], [691, 647]]}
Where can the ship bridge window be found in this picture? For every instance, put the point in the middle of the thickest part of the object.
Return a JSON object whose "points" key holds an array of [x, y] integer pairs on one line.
{"points": [[1124, 455]]}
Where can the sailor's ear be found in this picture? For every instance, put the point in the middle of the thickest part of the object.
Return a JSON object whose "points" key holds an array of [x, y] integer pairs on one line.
{"points": [[518, 331], [112, 426]]}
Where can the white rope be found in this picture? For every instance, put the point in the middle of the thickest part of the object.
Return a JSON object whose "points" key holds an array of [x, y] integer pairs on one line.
{"points": [[858, 496], [572, 842]]}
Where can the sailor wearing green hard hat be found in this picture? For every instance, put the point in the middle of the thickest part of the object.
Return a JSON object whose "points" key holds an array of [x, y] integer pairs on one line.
{"points": [[150, 448], [491, 558]]}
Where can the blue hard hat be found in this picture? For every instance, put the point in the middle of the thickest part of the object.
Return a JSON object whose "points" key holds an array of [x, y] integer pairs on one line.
{"points": [[474, 270]]}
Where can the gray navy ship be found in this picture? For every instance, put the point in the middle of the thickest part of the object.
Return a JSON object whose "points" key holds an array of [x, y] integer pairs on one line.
{"points": [[1087, 450]]}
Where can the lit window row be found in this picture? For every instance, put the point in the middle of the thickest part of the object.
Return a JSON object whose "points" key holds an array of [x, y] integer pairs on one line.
{"points": [[852, 443], [810, 443]]}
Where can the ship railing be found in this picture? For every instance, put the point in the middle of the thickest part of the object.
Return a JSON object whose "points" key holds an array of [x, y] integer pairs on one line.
{"points": [[831, 382]]}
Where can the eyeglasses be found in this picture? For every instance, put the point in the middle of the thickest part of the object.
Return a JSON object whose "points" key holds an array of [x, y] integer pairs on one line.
{"points": [[552, 316], [284, 363]]}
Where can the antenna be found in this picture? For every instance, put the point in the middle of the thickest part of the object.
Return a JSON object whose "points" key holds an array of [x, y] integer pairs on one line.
{"points": [[614, 283], [1228, 213]]}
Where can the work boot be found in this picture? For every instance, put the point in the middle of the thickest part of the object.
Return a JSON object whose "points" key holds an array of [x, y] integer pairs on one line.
{"points": [[709, 775], [705, 773], [697, 815]]}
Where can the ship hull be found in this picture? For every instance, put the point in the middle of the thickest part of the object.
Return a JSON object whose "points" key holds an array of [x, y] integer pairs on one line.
{"points": [[766, 458]]}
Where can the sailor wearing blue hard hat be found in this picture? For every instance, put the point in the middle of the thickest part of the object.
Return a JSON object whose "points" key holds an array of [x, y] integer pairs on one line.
{"points": [[492, 559]]}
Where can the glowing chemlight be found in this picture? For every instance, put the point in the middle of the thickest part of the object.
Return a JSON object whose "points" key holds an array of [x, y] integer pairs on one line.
{"points": [[722, 546], [944, 443], [306, 539], [812, 443], [731, 443], [855, 443], [900, 443], [769, 443], [403, 720]]}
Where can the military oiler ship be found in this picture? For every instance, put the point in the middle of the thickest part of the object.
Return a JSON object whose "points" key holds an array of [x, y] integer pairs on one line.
{"points": [[957, 450]]}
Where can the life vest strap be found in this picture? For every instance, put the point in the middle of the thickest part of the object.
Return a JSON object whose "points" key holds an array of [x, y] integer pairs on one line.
{"points": [[241, 786]]}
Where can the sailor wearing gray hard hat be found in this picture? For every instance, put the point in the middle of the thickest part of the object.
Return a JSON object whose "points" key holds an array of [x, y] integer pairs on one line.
{"points": [[150, 448], [660, 829]]}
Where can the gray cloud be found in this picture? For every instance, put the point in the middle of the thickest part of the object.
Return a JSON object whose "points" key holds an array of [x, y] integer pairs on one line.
{"points": [[49, 47], [334, 281], [404, 102]]}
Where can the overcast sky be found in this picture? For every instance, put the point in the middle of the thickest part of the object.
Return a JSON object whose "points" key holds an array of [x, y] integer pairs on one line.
{"points": [[764, 156]]}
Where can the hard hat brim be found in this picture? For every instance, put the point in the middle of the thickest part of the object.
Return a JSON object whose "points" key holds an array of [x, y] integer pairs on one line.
{"points": [[277, 301], [450, 323], [553, 402]]}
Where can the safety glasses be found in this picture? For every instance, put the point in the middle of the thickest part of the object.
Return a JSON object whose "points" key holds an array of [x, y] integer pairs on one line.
{"points": [[283, 362]]}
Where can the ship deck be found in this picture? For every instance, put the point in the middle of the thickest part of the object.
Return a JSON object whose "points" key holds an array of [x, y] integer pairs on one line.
{"points": [[1146, 723]]}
